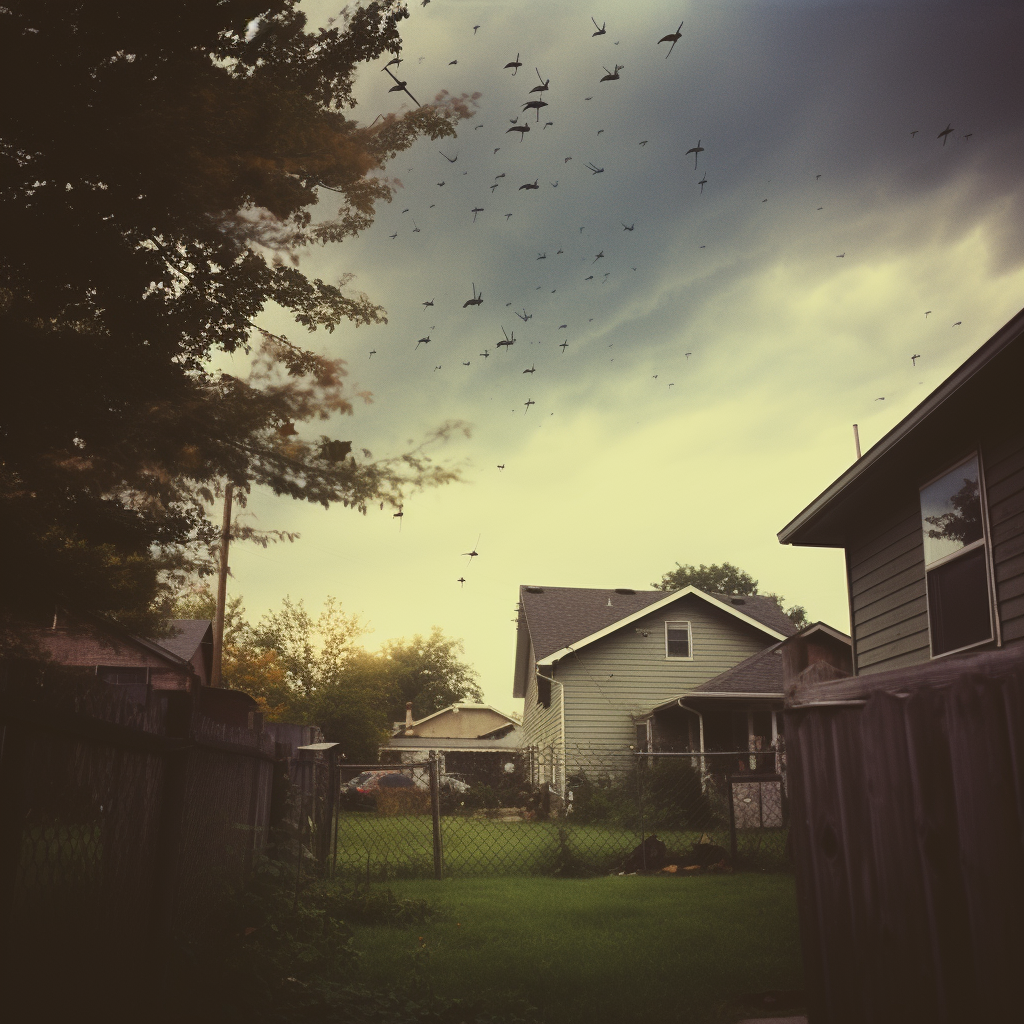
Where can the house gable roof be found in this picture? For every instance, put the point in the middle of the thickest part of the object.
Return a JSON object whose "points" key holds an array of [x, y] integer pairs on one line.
{"points": [[988, 380], [461, 706], [561, 620]]}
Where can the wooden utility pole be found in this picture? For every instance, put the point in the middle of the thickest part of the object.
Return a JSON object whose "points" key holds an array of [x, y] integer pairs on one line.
{"points": [[222, 586]]}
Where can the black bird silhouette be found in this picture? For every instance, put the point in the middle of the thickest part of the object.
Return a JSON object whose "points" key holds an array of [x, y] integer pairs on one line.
{"points": [[703, 181], [563, 327], [502, 466], [528, 186], [475, 211], [465, 364], [474, 553], [600, 131], [486, 354], [497, 176], [373, 352], [600, 28], [599, 256], [612, 76], [436, 368], [673, 38], [696, 151], [524, 316], [914, 358], [425, 304], [423, 341], [440, 184], [594, 169], [514, 65], [494, 186], [591, 278], [544, 85], [395, 235], [476, 300], [450, 159], [644, 143], [475, 27], [548, 124], [841, 255], [401, 87], [542, 256], [630, 228], [393, 61], [528, 403], [958, 323], [912, 134], [415, 230], [509, 341], [522, 129], [946, 131], [564, 346], [507, 215], [461, 580], [553, 184], [532, 369], [534, 105]]}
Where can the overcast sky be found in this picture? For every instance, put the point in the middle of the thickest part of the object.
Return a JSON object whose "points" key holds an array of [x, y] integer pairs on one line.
{"points": [[718, 353]]}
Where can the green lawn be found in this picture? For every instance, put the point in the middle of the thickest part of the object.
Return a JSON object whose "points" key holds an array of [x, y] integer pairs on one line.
{"points": [[402, 846], [617, 949]]}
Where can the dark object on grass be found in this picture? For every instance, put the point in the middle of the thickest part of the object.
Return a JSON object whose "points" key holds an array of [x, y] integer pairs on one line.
{"points": [[705, 855], [650, 855]]}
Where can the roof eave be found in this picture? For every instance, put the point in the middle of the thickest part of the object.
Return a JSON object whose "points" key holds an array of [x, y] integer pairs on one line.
{"points": [[1001, 340]]}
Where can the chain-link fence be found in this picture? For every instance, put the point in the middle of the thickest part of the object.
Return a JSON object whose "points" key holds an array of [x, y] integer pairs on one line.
{"points": [[577, 812]]}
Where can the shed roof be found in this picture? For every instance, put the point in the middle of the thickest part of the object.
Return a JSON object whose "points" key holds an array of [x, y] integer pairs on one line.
{"points": [[187, 636], [986, 384]]}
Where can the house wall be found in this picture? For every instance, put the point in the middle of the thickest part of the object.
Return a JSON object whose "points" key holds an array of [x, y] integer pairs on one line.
{"points": [[85, 647], [464, 724], [626, 673], [542, 727], [886, 563]]}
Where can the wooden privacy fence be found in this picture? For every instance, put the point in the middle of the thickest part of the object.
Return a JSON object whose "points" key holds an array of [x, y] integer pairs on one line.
{"points": [[907, 805]]}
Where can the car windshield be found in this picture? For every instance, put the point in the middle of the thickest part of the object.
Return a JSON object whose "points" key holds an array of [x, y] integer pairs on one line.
{"points": [[361, 780], [395, 781]]}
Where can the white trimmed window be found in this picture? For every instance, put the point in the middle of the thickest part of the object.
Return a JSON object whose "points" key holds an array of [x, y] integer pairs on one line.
{"points": [[956, 560], [677, 640]]}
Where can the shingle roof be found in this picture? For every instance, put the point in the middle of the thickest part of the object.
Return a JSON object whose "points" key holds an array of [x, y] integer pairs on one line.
{"points": [[760, 673], [187, 637], [560, 616]]}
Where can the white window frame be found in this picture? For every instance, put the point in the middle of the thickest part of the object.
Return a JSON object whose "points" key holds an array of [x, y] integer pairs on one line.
{"points": [[984, 542], [676, 623]]}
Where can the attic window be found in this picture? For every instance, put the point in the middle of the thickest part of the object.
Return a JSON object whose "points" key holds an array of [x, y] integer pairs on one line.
{"points": [[677, 640], [535, 590], [624, 590]]}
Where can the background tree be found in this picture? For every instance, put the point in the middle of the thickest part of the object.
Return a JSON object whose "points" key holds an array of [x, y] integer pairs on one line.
{"points": [[725, 579], [429, 672], [158, 182]]}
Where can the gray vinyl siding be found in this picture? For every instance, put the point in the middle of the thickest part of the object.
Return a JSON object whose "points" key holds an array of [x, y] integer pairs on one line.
{"points": [[887, 592], [626, 673], [1004, 485], [542, 727]]}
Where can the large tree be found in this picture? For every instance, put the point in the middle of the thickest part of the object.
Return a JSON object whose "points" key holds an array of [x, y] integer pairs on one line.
{"points": [[724, 579], [160, 175]]}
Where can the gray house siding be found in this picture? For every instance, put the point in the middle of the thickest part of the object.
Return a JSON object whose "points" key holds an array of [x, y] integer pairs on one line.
{"points": [[886, 568], [888, 615], [542, 727], [1004, 484], [626, 673]]}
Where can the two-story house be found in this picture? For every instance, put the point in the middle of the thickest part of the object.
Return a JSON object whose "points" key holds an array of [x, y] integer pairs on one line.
{"points": [[591, 664], [932, 519]]}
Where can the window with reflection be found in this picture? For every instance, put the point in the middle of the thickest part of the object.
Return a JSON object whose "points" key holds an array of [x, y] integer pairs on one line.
{"points": [[677, 640], [956, 565]]}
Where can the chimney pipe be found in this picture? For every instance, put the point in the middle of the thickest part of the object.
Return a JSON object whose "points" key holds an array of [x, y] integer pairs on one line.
{"points": [[408, 715]]}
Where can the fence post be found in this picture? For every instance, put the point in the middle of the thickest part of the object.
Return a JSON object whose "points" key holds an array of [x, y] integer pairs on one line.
{"points": [[435, 812], [13, 755], [732, 820], [640, 801]]}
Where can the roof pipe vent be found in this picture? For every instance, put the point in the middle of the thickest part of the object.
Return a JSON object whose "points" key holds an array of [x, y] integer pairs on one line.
{"points": [[624, 590]]}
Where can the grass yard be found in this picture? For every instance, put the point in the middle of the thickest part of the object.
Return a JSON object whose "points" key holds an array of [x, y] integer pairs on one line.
{"points": [[617, 949], [401, 846]]}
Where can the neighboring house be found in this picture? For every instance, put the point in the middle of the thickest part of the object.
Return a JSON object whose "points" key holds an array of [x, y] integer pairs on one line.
{"points": [[932, 519], [474, 738], [591, 664], [740, 709]]}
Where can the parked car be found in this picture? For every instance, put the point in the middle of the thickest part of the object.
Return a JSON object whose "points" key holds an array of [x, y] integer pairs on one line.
{"points": [[361, 792]]}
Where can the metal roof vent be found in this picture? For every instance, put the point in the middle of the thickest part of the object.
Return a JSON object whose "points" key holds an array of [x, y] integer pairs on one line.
{"points": [[624, 590], [736, 600], [535, 590]]}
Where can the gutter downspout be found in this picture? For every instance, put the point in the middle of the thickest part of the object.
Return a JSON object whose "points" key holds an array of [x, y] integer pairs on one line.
{"points": [[561, 706], [700, 718]]}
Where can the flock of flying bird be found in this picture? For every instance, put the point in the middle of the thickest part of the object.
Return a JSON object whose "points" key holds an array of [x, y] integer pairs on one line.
{"points": [[521, 126]]}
